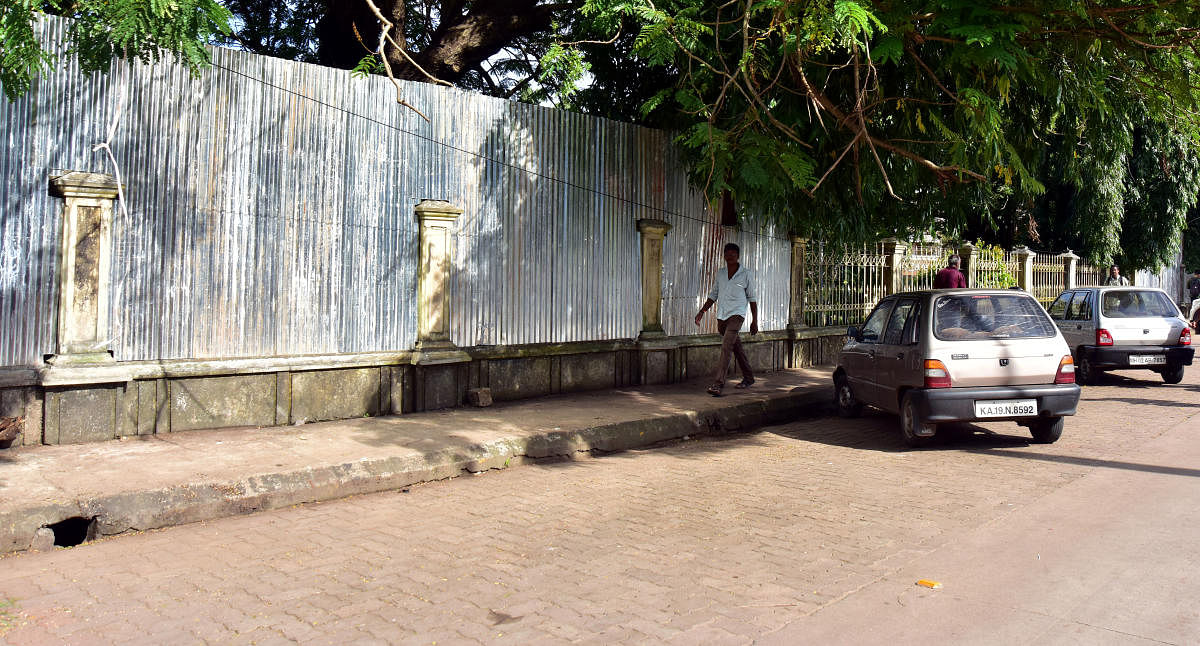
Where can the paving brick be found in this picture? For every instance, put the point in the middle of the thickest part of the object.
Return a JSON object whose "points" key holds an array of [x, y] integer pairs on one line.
{"points": [[707, 541]]}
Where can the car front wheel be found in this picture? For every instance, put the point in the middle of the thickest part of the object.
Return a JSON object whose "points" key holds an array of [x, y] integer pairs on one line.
{"points": [[1046, 431], [843, 397], [1173, 374], [917, 431]]}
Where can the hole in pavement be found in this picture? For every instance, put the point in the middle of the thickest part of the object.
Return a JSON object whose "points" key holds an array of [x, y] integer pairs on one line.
{"points": [[73, 531]]}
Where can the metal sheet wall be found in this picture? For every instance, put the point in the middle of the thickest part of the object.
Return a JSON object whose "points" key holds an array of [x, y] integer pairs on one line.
{"points": [[548, 244], [29, 237], [693, 254], [270, 212]]}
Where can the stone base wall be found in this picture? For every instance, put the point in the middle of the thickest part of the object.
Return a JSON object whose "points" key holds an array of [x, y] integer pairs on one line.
{"points": [[165, 397]]}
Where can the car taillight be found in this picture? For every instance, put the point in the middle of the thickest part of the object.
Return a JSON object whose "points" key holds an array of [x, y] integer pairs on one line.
{"points": [[936, 375], [1185, 337], [1066, 371], [1103, 337]]}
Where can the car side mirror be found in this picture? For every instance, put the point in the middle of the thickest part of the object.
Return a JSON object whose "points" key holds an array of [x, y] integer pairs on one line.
{"points": [[854, 333]]}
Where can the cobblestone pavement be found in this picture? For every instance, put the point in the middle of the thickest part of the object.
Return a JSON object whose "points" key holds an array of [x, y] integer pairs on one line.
{"points": [[712, 541]]}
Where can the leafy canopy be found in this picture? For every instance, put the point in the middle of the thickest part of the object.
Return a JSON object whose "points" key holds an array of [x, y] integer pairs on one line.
{"points": [[850, 119], [99, 30], [1061, 123]]}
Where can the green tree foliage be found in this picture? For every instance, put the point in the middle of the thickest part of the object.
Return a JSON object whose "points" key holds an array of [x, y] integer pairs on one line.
{"points": [[103, 29], [850, 119], [1191, 240], [1061, 123]]}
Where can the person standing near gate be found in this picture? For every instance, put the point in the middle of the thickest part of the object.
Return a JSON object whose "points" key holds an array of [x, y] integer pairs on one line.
{"points": [[950, 277], [1115, 277], [732, 291]]}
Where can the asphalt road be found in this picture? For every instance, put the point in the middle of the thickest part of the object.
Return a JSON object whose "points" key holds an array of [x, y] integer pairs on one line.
{"points": [[811, 532]]}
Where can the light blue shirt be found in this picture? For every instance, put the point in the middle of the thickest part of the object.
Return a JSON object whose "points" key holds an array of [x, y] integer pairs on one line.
{"points": [[733, 295]]}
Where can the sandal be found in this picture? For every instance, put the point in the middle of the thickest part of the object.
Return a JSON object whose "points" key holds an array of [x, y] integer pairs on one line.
{"points": [[746, 383], [714, 390]]}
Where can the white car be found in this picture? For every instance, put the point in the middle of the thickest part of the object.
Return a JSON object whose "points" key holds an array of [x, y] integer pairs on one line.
{"points": [[959, 355], [1123, 328]]}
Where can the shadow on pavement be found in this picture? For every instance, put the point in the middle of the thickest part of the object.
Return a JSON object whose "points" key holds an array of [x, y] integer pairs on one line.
{"points": [[1110, 379], [876, 431], [1092, 462], [1148, 402]]}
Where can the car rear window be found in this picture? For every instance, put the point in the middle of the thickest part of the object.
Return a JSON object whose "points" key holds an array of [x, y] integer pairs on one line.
{"points": [[1136, 303], [967, 317]]}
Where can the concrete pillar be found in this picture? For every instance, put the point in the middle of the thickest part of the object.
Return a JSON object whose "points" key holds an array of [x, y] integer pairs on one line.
{"points": [[658, 357], [95, 386], [653, 233], [1070, 264], [1025, 269], [84, 267], [893, 276], [966, 254], [441, 371], [436, 219], [433, 275], [797, 292]]}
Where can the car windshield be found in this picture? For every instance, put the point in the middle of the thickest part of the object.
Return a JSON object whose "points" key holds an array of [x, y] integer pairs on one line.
{"points": [[1136, 303], [964, 317]]}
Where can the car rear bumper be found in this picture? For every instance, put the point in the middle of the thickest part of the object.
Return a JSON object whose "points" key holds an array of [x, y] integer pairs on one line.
{"points": [[958, 404], [1117, 356]]}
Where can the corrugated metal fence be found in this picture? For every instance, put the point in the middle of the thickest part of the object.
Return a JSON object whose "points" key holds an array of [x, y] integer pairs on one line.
{"points": [[270, 212]]}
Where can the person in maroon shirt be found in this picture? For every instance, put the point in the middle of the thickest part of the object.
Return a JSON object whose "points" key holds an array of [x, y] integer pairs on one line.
{"points": [[950, 277]]}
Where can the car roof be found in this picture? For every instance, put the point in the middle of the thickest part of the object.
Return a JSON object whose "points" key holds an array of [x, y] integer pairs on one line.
{"points": [[960, 290], [1117, 288]]}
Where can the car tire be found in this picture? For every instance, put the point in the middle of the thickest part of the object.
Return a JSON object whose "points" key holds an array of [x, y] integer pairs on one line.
{"points": [[1085, 372], [1046, 431], [1173, 374], [911, 420], [843, 398]]}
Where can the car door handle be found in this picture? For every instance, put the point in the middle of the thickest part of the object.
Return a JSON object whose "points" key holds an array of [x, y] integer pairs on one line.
{"points": [[899, 355]]}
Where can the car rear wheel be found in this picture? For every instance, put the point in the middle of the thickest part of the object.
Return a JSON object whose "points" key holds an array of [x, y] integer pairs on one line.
{"points": [[1046, 431], [917, 431], [1085, 372], [1173, 374], [843, 398]]}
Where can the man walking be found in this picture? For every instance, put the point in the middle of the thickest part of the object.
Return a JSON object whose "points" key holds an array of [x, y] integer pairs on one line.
{"points": [[732, 290], [950, 277], [1115, 278]]}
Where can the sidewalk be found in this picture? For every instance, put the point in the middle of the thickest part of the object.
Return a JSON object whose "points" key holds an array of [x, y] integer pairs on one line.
{"points": [[142, 483]]}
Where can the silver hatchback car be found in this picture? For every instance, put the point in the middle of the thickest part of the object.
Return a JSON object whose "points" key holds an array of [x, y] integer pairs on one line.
{"points": [[1123, 328], [959, 355]]}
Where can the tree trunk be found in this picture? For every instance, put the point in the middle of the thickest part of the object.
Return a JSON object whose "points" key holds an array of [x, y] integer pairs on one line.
{"points": [[463, 41], [347, 32]]}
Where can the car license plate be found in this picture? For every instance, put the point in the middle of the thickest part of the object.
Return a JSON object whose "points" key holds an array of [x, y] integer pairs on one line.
{"points": [[1147, 359], [1006, 408]]}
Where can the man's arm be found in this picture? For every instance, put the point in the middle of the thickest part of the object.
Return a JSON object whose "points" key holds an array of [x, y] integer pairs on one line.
{"points": [[707, 304], [752, 297]]}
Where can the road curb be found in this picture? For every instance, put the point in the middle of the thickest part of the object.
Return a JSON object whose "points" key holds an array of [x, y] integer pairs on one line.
{"points": [[112, 514]]}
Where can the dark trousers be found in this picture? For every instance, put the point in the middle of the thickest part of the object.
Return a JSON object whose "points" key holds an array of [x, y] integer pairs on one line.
{"points": [[731, 343]]}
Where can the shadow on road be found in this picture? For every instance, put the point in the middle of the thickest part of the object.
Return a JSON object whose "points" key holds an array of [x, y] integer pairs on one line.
{"points": [[1148, 402], [1092, 462], [876, 431]]}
